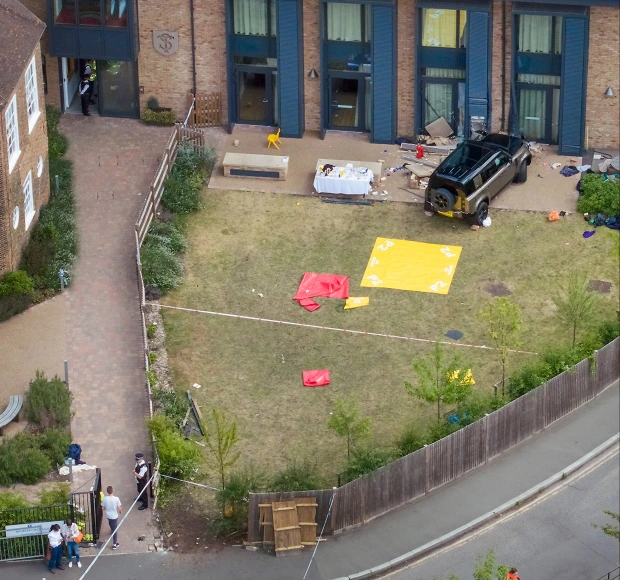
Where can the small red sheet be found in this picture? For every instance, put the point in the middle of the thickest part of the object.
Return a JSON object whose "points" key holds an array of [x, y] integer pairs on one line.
{"points": [[315, 378], [324, 285]]}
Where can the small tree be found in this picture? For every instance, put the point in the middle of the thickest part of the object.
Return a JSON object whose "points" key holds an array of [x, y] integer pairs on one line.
{"points": [[346, 422], [575, 302], [221, 441], [609, 529], [439, 379], [502, 318]]}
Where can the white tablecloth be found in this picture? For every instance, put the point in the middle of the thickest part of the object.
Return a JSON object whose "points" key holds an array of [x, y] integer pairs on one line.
{"points": [[350, 185]]}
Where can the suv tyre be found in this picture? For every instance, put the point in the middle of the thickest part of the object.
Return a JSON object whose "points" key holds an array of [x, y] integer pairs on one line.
{"points": [[482, 212], [442, 200], [521, 176]]}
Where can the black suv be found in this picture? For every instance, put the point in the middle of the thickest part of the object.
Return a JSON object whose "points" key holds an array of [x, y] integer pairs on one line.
{"points": [[474, 173]]}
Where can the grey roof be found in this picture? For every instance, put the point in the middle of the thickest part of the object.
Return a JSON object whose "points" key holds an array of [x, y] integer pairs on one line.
{"points": [[20, 31]]}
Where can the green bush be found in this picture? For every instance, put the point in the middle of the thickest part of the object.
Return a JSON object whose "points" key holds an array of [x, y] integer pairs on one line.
{"points": [[57, 142], [158, 117], [302, 476], [442, 429], [167, 236], [16, 293], [49, 402], [152, 103], [608, 331], [412, 439], [55, 444], [477, 405], [55, 495], [364, 460], [152, 358], [600, 195], [151, 329], [178, 456], [21, 460], [173, 404], [151, 377], [161, 268], [12, 501]]}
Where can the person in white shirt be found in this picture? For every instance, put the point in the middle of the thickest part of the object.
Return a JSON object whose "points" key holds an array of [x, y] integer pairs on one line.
{"points": [[69, 532], [55, 540], [112, 508]]}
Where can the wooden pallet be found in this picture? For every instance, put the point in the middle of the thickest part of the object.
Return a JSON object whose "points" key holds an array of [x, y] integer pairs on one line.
{"points": [[286, 529], [306, 514]]}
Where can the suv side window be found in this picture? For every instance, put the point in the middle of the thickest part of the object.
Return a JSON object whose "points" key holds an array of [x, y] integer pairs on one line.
{"points": [[493, 167]]}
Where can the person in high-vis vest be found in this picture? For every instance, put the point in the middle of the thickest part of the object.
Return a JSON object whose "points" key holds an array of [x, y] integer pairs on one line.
{"points": [[90, 70], [512, 574], [84, 95]]}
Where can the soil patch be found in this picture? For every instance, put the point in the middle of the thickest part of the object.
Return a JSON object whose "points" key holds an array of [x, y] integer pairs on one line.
{"points": [[599, 286], [499, 289]]}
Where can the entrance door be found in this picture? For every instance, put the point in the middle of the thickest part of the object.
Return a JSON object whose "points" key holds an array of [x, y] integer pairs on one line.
{"points": [[256, 96], [447, 100], [349, 102], [539, 111], [117, 87], [70, 80]]}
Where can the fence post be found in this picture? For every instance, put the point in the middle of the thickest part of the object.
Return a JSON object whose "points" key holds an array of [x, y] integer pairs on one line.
{"points": [[485, 427], [595, 353], [544, 406], [67, 373], [426, 474]]}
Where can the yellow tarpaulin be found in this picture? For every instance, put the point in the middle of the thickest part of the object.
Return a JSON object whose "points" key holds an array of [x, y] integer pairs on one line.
{"points": [[356, 302], [467, 379], [414, 266]]}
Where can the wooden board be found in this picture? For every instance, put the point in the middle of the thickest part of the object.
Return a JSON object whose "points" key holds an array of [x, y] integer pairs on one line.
{"points": [[265, 520], [286, 529], [306, 514], [439, 128]]}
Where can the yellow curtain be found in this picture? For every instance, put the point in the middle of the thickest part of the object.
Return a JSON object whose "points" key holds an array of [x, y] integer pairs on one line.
{"points": [[439, 28]]}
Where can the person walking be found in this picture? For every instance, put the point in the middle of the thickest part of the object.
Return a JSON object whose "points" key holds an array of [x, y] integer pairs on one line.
{"points": [[55, 540], [140, 472], [112, 508], [70, 532], [85, 95]]}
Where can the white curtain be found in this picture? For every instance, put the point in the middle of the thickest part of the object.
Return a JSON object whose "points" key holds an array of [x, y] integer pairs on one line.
{"points": [[538, 79], [532, 111], [250, 17], [344, 22], [555, 115], [446, 73], [535, 33], [438, 102]]}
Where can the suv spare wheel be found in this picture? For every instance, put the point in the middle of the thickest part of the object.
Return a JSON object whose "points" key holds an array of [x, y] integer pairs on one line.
{"points": [[442, 200]]}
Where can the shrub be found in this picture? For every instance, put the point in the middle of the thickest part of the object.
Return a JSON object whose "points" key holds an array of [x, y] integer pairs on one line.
{"points": [[49, 402], [442, 429], [161, 268], [55, 495], [151, 329], [178, 456], [302, 476], [477, 405], [152, 358], [151, 377], [412, 439], [55, 444], [16, 293], [57, 142], [158, 117], [608, 331], [364, 460], [152, 293], [21, 461], [600, 195], [12, 501], [152, 103], [173, 404], [167, 235]]}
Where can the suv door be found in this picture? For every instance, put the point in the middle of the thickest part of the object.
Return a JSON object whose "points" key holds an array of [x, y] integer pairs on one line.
{"points": [[497, 174]]}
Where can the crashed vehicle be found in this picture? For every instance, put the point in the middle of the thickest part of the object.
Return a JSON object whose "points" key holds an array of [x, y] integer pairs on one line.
{"points": [[468, 179]]}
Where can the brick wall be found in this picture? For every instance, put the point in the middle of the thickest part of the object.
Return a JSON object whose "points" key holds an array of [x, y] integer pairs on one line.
{"points": [[405, 66], [603, 113], [496, 66], [312, 59], [32, 146]]}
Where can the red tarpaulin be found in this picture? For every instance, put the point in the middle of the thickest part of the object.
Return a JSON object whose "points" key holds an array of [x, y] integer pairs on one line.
{"points": [[324, 285], [315, 378]]}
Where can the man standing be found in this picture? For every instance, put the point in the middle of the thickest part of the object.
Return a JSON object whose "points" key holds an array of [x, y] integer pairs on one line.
{"points": [[140, 472], [112, 507], [85, 95]]}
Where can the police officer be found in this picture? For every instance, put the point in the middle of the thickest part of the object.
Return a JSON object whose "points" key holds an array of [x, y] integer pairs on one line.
{"points": [[84, 95], [140, 472], [90, 70]]}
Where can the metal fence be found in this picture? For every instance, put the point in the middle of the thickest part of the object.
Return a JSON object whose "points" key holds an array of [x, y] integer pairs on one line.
{"points": [[615, 573], [422, 471], [24, 548]]}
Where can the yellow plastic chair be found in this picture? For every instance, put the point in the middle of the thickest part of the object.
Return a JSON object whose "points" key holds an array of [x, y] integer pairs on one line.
{"points": [[273, 139]]}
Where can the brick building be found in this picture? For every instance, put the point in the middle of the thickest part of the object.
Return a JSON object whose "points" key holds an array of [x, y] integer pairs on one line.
{"points": [[386, 67], [24, 178]]}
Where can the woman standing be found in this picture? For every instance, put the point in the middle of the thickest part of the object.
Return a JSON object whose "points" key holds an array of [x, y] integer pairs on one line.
{"points": [[70, 532], [55, 539]]}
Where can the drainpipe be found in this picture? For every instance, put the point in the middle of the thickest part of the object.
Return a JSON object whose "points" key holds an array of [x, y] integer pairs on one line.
{"points": [[504, 66], [191, 14]]}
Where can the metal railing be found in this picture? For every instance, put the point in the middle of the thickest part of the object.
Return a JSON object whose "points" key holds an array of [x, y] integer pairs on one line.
{"points": [[615, 573], [23, 548]]}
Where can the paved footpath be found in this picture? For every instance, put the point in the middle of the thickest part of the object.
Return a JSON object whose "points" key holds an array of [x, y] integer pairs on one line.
{"points": [[114, 162]]}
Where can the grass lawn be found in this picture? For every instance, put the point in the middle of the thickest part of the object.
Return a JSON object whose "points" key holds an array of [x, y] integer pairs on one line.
{"points": [[242, 241]]}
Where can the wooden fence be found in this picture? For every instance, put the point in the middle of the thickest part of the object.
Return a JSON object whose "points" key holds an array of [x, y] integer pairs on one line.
{"points": [[422, 471], [205, 110]]}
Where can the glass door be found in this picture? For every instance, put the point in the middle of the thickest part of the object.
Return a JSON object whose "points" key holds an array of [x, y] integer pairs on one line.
{"points": [[444, 99], [256, 91], [117, 85], [349, 102], [539, 111]]}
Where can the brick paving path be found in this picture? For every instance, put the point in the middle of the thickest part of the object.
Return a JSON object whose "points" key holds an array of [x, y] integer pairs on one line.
{"points": [[114, 162]]}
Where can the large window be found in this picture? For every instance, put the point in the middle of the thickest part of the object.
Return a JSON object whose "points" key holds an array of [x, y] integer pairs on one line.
{"points": [[348, 22], [32, 94], [28, 200], [12, 133], [116, 13], [64, 11], [443, 28], [254, 17], [540, 34], [90, 12]]}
